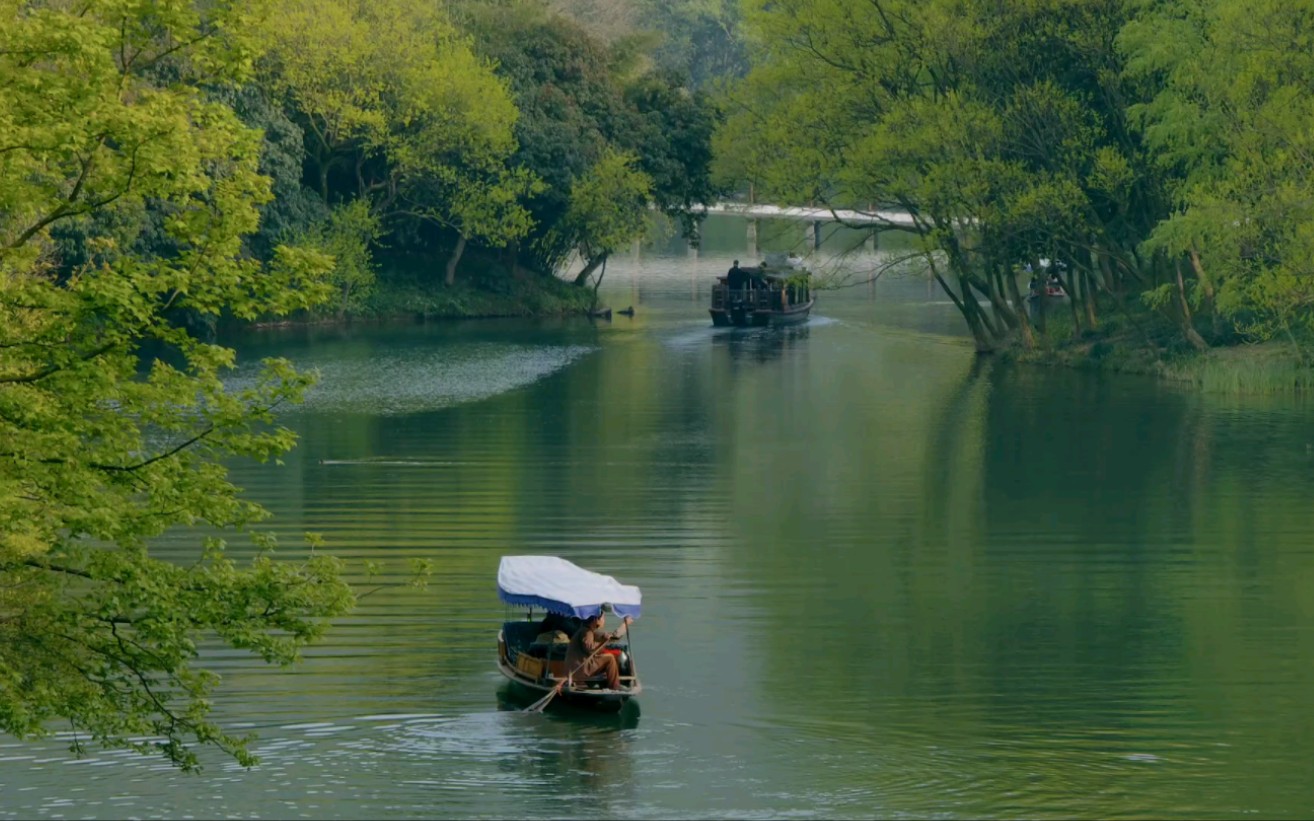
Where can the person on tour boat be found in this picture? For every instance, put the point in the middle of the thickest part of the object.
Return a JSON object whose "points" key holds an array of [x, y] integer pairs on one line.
{"points": [[736, 277], [580, 660]]}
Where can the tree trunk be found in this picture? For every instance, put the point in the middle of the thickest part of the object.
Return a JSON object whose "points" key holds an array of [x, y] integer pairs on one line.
{"points": [[1215, 321], [1002, 301], [452, 261], [1074, 301], [967, 283], [598, 283], [1188, 328], [1089, 287], [983, 342], [582, 278], [1023, 321]]}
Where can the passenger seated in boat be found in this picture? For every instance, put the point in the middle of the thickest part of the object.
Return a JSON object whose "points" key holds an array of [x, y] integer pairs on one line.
{"points": [[553, 622], [581, 664]]}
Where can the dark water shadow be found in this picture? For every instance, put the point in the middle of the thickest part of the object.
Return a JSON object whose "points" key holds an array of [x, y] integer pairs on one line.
{"points": [[760, 344], [511, 698], [574, 751]]}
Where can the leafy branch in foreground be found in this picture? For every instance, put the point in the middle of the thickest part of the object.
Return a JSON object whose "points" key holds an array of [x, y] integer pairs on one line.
{"points": [[114, 421]]}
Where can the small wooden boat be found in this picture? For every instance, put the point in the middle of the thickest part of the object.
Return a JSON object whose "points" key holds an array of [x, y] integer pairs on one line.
{"points": [[532, 652], [764, 295]]}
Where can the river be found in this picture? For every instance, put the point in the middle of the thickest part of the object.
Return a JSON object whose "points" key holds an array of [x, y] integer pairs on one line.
{"points": [[881, 577]]}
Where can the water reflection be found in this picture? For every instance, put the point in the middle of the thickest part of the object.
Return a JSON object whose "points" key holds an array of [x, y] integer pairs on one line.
{"points": [[511, 698], [881, 577], [759, 344]]}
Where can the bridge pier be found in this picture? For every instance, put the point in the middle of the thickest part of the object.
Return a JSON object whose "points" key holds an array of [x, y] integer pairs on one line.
{"points": [[871, 243], [813, 234], [752, 237]]}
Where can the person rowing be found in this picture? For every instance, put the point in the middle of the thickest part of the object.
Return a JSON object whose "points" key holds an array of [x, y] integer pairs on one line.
{"points": [[582, 656]]}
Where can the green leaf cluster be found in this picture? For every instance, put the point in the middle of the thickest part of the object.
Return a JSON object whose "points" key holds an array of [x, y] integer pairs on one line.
{"points": [[115, 421]]}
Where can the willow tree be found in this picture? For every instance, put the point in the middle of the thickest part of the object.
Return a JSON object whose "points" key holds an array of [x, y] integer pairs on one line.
{"points": [[1231, 117], [999, 128], [115, 423]]}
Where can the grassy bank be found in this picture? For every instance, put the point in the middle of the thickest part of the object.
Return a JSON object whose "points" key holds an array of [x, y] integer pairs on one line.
{"points": [[406, 296], [499, 297], [1237, 368]]}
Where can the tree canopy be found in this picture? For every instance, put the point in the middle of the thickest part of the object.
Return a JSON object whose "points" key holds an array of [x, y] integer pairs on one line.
{"points": [[1153, 147], [581, 100], [114, 419]]}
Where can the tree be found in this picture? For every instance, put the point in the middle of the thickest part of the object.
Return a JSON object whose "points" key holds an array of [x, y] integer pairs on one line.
{"points": [[570, 104], [699, 36], [1229, 119], [114, 421], [607, 209], [392, 97], [1000, 128], [347, 236], [671, 134], [582, 100]]}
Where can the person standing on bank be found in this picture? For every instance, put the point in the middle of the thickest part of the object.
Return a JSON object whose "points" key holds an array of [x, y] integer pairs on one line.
{"points": [[586, 640]]}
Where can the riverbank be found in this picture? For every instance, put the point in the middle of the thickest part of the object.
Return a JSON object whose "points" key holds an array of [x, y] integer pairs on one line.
{"points": [[496, 297], [1268, 368], [402, 297]]}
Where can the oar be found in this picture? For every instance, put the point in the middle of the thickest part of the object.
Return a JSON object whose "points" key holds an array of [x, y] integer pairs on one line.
{"points": [[542, 703]]}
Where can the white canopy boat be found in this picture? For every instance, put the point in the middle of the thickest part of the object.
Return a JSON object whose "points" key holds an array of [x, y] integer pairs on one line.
{"points": [[532, 652]]}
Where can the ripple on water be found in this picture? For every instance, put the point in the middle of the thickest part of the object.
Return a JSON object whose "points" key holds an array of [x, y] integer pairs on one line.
{"points": [[420, 379]]}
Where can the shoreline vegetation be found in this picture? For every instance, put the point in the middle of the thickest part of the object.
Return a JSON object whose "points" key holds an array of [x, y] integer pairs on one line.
{"points": [[408, 298], [1242, 368], [1150, 161]]}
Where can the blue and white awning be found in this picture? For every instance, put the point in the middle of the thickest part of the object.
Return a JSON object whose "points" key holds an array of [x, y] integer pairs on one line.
{"points": [[559, 586]]}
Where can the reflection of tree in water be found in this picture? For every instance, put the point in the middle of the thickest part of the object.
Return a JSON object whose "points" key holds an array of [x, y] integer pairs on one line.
{"points": [[575, 753], [760, 344]]}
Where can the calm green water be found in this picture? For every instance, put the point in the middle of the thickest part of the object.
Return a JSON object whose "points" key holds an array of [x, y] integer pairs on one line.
{"points": [[881, 578]]}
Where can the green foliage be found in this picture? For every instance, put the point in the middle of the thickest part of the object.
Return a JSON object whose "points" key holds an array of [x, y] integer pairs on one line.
{"points": [[1160, 148], [699, 36], [1231, 114], [581, 100], [293, 209], [347, 237], [394, 101], [1001, 128], [608, 206], [672, 136], [115, 422], [497, 295]]}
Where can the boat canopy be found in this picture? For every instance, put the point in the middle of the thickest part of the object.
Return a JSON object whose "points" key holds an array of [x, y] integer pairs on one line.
{"points": [[559, 586]]}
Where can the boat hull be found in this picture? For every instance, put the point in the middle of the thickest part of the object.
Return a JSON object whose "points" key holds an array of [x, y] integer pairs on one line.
{"points": [[750, 318], [596, 699], [588, 695]]}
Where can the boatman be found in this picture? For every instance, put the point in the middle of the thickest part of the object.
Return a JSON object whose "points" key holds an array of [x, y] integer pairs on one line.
{"points": [[580, 653]]}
